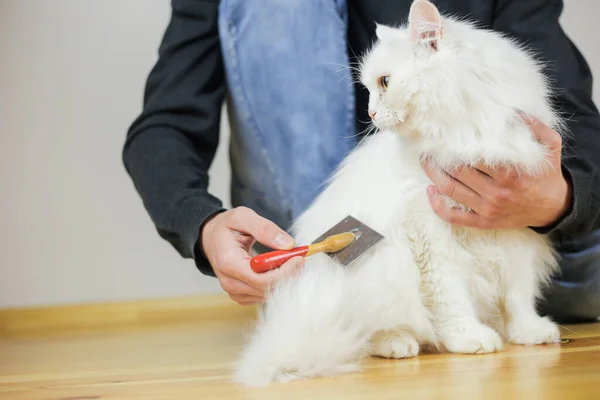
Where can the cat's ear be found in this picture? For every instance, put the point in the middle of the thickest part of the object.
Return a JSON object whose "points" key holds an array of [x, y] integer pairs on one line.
{"points": [[425, 24], [385, 33]]}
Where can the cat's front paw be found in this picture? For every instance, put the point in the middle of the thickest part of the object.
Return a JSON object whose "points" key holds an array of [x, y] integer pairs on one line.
{"points": [[532, 331], [394, 344], [472, 338]]}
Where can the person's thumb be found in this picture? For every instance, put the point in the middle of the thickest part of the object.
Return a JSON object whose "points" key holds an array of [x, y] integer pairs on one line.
{"points": [[264, 231]]}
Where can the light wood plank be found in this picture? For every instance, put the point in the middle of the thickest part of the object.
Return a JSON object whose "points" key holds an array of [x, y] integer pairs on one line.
{"points": [[120, 314], [193, 360]]}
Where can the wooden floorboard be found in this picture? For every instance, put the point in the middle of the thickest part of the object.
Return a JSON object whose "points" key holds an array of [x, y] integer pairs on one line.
{"points": [[193, 360]]}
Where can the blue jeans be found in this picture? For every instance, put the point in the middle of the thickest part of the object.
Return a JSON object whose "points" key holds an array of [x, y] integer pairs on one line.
{"points": [[291, 100], [574, 293], [291, 108]]}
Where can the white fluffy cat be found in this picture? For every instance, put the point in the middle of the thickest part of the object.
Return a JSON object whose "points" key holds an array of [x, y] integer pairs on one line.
{"points": [[444, 90]]}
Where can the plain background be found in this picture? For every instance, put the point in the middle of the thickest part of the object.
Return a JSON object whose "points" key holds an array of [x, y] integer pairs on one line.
{"points": [[72, 73]]}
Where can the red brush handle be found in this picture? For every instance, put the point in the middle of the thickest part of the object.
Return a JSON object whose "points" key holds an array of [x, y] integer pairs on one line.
{"points": [[274, 259]]}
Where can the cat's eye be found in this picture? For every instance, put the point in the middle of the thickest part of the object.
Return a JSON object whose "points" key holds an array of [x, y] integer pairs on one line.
{"points": [[384, 81]]}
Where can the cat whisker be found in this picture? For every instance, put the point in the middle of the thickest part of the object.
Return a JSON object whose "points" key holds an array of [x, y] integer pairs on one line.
{"points": [[366, 132], [364, 122], [350, 66], [371, 129]]}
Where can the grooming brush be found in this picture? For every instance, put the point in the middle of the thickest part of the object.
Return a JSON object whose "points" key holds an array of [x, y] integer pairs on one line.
{"points": [[274, 259], [344, 243]]}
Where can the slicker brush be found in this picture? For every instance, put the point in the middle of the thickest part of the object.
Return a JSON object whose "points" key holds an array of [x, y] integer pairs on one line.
{"points": [[274, 259]]}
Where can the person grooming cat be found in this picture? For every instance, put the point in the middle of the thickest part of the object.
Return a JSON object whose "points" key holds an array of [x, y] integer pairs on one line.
{"points": [[297, 110], [438, 92]]}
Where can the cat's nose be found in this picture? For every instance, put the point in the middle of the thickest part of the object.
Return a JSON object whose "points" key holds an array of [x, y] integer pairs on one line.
{"points": [[372, 114]]}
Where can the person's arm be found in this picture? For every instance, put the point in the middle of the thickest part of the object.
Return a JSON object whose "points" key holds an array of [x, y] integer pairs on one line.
{"points": [[536, 23], [171, 145]]}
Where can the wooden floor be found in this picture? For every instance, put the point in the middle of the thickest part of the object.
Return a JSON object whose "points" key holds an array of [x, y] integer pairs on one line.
{"points": [[175, 360]]}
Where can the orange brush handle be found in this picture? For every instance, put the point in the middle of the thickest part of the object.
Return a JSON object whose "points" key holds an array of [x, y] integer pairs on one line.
{"points": [[274, 259]]}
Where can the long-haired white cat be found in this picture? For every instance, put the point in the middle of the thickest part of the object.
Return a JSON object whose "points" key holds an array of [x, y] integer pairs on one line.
{"points": [[446, 91]]}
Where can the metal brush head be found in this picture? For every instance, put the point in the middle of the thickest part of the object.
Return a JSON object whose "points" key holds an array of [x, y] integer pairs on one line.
{"points": [[366, 238]]}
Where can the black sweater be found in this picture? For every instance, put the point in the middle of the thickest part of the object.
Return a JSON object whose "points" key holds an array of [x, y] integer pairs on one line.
{"points": [[171, 145]]}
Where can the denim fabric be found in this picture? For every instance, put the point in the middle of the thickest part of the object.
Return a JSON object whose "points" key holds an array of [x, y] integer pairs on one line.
{"points": [[292, 116], [574, 293], [291, 100]]}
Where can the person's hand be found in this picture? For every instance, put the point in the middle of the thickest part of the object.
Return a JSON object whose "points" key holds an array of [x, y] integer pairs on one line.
{"points": [[226, 241], [500, 198]]}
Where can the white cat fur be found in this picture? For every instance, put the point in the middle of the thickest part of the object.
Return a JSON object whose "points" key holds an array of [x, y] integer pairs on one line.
{"points": [[452, 98]]}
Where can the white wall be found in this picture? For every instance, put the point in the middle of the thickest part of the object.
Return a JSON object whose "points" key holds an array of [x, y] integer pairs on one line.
{"points": [[73, 228], [71, 80]]}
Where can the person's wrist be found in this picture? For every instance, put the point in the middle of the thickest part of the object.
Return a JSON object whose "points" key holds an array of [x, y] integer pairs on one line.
{"points": [[206, 230], [562, 205]]}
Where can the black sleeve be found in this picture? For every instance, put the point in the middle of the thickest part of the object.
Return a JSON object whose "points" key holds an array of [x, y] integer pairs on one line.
{"points": [[536, 23], [171, 145]]}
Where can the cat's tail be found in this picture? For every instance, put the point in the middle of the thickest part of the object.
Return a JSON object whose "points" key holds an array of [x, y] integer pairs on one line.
{"points": [[311, 326], [320, 322]]}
